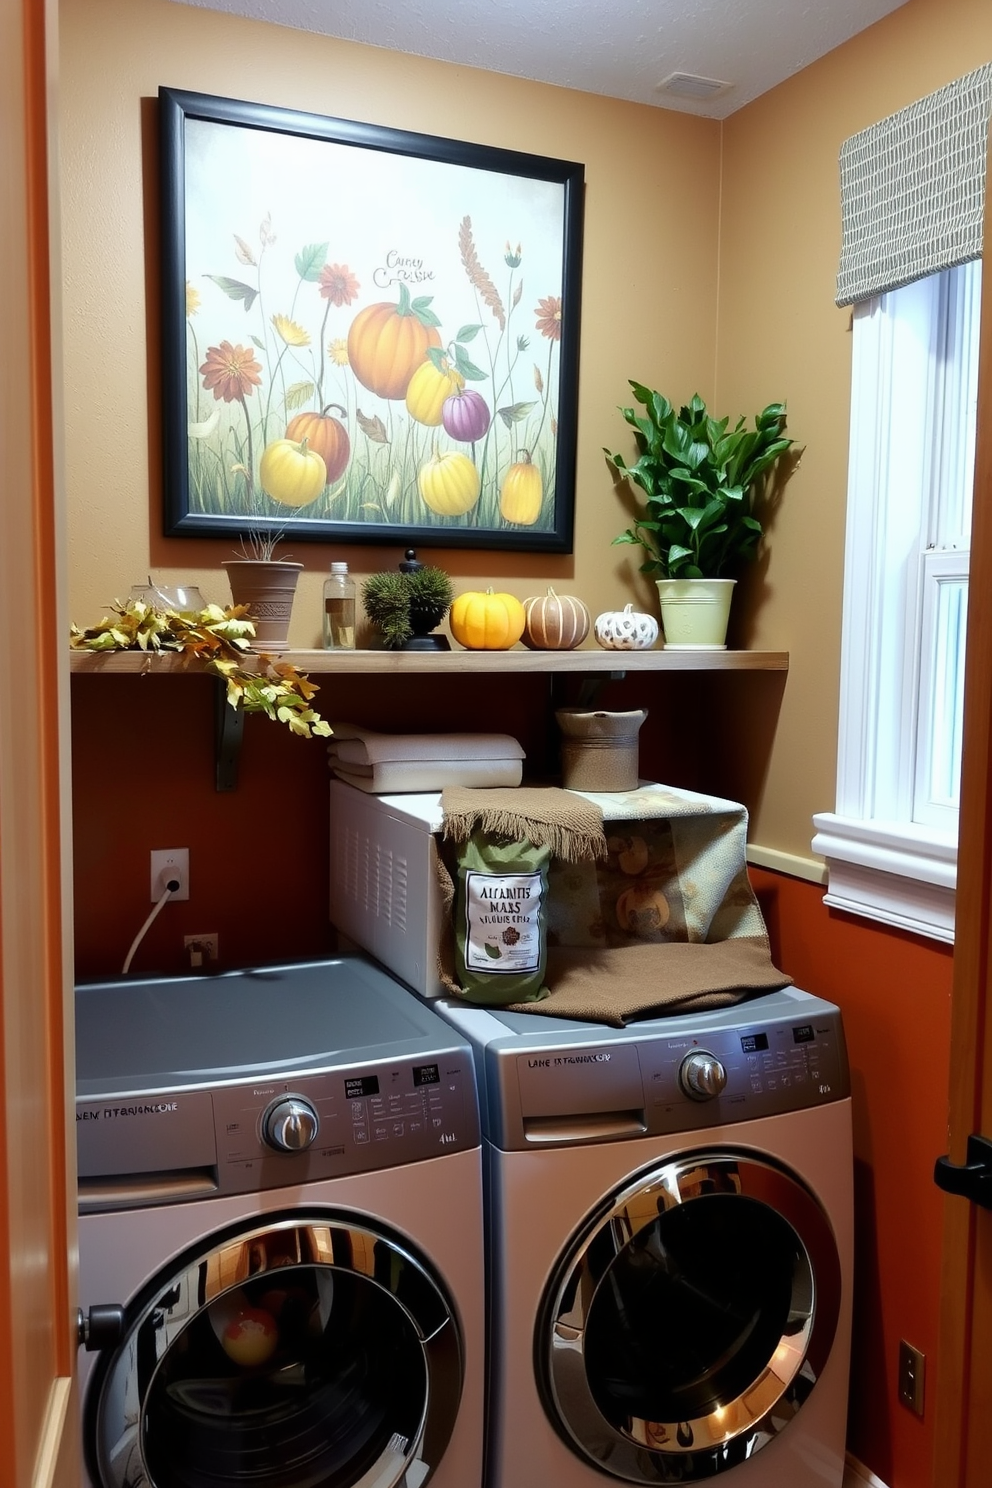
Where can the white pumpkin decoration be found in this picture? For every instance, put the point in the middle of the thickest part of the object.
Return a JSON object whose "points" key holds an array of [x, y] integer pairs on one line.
{"points": [[555, 622], [626, 630]]}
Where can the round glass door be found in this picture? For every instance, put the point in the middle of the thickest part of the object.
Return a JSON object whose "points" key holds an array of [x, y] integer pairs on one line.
{"points": [[690, 1320], [303, 1354]]}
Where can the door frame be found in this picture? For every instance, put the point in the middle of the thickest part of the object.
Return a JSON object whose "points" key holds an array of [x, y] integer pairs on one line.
{"points": [[963, 1422], [39, 1444]]}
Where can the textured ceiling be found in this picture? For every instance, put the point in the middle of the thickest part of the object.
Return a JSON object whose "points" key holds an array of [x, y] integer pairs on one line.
{"points": [[620, 48]]}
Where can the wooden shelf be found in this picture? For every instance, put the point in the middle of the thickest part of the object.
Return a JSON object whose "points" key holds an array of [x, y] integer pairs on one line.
{"points": [[400, 663]]}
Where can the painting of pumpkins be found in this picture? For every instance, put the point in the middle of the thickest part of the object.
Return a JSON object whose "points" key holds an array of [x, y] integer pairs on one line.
{"points": [[368, 335]]}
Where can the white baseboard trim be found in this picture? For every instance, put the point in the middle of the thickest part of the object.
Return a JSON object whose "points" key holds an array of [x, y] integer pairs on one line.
{"points": [[790, 863], [856, 1475]]}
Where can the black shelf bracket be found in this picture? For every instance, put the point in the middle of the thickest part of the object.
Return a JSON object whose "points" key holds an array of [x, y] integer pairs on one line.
{"points": [[229, 730]]}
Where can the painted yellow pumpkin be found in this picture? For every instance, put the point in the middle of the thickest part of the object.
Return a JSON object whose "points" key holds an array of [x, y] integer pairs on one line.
{"points": [[325, 435], [292, 473], [449, 484], [521, 493], [487, 622], [429, 387]]}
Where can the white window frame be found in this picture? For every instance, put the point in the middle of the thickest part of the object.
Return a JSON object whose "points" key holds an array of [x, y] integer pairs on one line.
{"points": [[908, 510]]}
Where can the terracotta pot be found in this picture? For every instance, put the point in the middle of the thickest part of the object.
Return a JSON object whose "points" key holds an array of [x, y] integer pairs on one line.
{"points": [[268, 589]]}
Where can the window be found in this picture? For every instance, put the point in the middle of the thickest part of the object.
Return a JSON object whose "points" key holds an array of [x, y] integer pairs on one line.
{"points": [[891, 844]]}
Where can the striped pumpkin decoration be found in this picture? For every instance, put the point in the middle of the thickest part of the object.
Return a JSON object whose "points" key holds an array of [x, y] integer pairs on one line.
{"points": [[554, 622]]}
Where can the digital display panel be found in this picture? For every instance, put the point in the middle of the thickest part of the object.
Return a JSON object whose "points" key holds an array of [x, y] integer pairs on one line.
{"points": [[803, 1034], [752, 1042], [361, 1085], [426, 1074]]}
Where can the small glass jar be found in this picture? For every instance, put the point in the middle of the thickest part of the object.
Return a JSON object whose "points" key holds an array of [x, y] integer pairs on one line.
{"points": [[339, 610]]}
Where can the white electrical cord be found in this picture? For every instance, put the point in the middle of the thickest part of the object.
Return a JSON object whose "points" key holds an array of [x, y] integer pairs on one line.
{"points": [[170, 888]]}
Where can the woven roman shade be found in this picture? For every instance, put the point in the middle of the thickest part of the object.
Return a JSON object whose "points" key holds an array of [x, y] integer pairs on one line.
{"points": [[913, 190]]}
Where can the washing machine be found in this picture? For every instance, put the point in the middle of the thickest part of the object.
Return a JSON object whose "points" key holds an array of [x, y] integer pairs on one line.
{"points": [[280, 1234], [670, 1219]]}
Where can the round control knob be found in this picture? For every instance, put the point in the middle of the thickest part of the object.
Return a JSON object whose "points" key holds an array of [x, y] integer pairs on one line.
{"points": [[702, 1076], [290, 1124]]}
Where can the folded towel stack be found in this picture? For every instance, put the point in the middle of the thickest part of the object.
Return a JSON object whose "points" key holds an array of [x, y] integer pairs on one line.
{"points": [[383, 764]]}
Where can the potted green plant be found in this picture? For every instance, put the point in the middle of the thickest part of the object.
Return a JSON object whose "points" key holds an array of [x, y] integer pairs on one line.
{"points": [[405, 604], [701, 481]]}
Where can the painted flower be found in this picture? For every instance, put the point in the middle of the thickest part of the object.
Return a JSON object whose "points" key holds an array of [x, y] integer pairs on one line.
{"points": [[512, 257], [192, 299], [338, 284], [338, 352], [548, 317], [291, 333], [231, 372]]}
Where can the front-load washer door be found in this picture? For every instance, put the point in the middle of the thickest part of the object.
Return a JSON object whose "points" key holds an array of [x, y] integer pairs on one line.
{"points": [[309, 1352], [689, 1319]]}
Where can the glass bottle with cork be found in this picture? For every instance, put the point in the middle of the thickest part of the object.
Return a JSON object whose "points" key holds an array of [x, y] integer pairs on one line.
{"points": [[339, 610]]}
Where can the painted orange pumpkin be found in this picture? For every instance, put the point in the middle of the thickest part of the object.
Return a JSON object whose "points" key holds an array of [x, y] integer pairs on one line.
{"points": [[387, 343], [449, 483], [555, 622], [521, 492], [486, 622], [327, 436]]}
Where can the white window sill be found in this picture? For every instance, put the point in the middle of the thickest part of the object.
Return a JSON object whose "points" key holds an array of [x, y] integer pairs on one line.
{"points": [[898, 874]]}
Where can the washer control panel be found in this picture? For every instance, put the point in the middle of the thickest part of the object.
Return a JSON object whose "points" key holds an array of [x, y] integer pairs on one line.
{"points": [[257, 1135], [667, 1076]]}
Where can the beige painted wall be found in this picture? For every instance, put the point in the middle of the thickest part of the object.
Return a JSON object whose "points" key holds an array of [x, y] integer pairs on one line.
{"points": [[673, 274], [650, 234], [780, 335]]}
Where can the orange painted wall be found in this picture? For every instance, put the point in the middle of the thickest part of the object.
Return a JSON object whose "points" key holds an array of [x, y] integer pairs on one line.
{"points": [[894, 992]]}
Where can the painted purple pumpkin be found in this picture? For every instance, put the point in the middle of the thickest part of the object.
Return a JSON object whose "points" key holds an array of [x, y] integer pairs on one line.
{"points": [[465, 415]]}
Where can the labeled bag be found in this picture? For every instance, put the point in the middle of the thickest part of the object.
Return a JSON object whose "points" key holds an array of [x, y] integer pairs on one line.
{"points": [[501, 920]]}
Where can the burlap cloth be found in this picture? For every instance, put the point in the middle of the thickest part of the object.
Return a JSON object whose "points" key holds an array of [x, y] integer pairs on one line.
{"points": [[650, 908]]}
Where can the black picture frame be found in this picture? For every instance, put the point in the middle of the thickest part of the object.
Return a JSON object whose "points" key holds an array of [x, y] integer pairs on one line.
{"points": [[402, 291]]}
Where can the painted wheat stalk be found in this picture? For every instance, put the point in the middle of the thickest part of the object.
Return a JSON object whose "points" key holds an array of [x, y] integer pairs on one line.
{"points": [[477, 274]]}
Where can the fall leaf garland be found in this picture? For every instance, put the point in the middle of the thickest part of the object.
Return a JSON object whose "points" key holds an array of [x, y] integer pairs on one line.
{"points": [[219, 639]]}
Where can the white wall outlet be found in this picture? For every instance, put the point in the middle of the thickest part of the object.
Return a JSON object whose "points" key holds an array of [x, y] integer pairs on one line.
{"points": [[168, 865], [201, 949]]}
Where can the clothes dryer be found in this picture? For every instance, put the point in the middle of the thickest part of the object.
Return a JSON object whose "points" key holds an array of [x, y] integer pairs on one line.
{"points": [[670, 1222], [281, 1195]]}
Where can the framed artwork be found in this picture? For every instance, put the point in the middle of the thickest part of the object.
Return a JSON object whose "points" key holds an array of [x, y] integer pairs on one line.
{"points": [[368, 335]]}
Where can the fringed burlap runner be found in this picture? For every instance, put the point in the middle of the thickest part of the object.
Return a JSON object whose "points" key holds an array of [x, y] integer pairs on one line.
{"points": [[569, 825], [692, 937]]}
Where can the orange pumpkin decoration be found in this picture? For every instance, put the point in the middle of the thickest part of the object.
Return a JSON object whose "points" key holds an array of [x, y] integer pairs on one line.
{"points": [[324, 434], [387, 343], [555, 622], [487, 622], [521, 492]]}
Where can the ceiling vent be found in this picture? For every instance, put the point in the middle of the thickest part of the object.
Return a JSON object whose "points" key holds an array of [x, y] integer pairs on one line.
{"points": [[686, 85]]}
